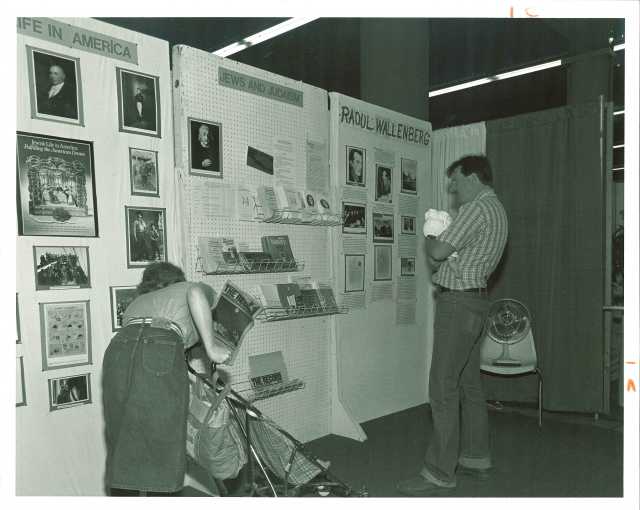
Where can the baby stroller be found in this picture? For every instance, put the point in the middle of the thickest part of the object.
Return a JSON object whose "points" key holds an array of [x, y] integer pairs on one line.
{"points": [[277, 464]]}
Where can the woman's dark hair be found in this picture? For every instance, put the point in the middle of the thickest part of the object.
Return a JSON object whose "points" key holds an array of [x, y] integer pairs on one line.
{"points": [[478, 165], [159, 275]]}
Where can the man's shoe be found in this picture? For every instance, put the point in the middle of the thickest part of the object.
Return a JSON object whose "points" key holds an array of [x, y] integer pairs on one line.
{"points": [[420, 486], [478, 474]]}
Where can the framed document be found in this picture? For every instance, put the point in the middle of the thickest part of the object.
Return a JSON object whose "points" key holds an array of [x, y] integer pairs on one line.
{"points": [[408, 225], [356, 174], [354, 273], [384, 184], [354, 218], [407, 266], [382, 262], [65, 334]]}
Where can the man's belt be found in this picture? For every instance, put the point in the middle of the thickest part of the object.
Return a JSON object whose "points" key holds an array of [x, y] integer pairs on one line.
{"points": [[155, 322], [475, 290]]}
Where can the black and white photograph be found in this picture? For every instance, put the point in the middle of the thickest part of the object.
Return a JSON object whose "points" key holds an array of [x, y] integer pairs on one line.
{"points": [[138, 103], [309, 200], [56, 187], [260, 160], [55, 86], [65, 329], [356, 166], [69, 391], [382, 227], [384, 184], [382, 263], [61, 267], [408, 173], [407, 266], [354, 218], [21, 392], [354, 273], [146, 235], [143, 172], [205, 148], [408, 225], [120, 297]]}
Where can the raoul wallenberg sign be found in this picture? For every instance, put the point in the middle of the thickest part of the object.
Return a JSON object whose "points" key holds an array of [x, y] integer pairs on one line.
{"points": [[384, 127]]}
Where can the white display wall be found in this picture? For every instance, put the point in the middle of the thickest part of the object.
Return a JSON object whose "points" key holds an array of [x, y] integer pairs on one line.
{"points": [[382, 347], [61, 451]]}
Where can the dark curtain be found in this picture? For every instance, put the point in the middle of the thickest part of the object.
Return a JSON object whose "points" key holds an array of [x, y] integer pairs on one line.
{"points": [[547, 172]]}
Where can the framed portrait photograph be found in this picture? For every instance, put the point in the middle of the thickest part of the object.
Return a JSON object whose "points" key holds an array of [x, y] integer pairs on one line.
{"points": [[382, 262], [55, 87], [354, 218], [69, 391], [61, 267], [21, 394], [354, 273], [65, 334], [408, 173], [408, 225], [56, 187], [407, 266], [382, 227], [356, 166], [121, 297], [384, 184], [146, 235], [143, 172], [205, 148], [138, 103]]}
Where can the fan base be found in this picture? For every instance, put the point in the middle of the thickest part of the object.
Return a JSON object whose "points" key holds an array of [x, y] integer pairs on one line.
{"points": [[507, 363]]}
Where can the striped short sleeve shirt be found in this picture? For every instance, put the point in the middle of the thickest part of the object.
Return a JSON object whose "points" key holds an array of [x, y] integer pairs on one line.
{"points": [[479, 235]]}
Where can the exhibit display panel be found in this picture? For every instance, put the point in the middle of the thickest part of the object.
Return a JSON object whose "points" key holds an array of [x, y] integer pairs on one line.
{"points": [[95, 206]]}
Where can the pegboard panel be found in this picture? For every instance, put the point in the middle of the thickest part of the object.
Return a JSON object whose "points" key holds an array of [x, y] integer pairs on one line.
{"points": [[247, 120]]}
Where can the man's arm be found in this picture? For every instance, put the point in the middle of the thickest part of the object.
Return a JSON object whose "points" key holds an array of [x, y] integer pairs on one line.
{"points": [[438, 250]]}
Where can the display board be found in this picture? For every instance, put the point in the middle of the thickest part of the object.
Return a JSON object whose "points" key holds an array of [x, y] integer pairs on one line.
{"points": [[380, 162], [239, 128], [95, 155]]}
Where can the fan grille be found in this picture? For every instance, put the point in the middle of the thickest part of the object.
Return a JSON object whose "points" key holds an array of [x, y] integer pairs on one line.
{"points": [[508, 321]]}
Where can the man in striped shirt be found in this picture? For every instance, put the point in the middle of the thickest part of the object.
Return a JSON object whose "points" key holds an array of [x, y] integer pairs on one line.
{"points": [[478, 233]]}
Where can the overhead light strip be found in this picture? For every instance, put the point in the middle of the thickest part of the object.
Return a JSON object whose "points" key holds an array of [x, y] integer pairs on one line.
{"points": [[619, 112], [259, 37], [618, 47], [618, 146]]}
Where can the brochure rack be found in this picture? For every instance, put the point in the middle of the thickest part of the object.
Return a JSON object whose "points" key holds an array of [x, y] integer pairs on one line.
{"points": [[296, 217], [265, 266], [268, 391], [272, 314]]}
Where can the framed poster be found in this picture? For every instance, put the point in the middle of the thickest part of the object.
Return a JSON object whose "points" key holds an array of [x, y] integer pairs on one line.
{"points": [[384, 184], [61, 267], [408, 172], [55, 87], [21, 394], [56, 187], [121, 297], [143, 172], [138, 103], [407, 266], [354, 273], [354, 218], [356, 166], [382, 227], [408, 225], [69, 391], [65, 334], [382, 262], [205, 148], [146, 235]]}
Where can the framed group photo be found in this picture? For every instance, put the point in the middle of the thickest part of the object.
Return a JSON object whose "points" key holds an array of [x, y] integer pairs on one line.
{"points": [[382, 263], [408, 173], [382, 227], [65, 334], [143, 172], [61, 267], [56, 187], [205, 148], [354, 273], [55, 87], [69, 391], [146, 235], [384, 184], [407, 266], [356, 165], [354, 218], [408, 225], [121, 297], [138, 103]]}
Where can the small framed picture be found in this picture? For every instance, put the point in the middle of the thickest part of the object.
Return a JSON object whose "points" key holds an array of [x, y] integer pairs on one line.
{"points": [[65, 334], [146, 235], [121, 297], [55, 87], [384, 184], [61, 267], [408, 225], [69, 391], [21, 394], [382, 262], [205, 148], [408, 172], [354, 273], [143, 171], [407, 266], [138, 103], [356, 166], [382, 228], [354, 218]]}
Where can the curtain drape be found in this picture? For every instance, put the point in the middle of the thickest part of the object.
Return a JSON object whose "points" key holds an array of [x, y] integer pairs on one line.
{"points": [[548, 174]]}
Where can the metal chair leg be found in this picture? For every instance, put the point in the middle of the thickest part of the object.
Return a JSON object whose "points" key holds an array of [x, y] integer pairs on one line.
{"points": [[539, 398]]}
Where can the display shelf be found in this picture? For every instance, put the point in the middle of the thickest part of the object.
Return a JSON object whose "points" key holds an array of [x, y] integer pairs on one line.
{"points": [[295, 217], [266, 266], [253, 394], [272, 314]]}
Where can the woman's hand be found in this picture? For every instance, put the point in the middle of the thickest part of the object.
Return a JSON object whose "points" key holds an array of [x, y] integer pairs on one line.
{"points": [[218, 353]]}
